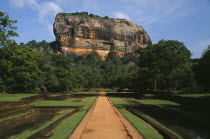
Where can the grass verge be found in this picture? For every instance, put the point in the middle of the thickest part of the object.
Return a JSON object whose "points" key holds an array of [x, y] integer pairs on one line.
{"points": [[13, 116], [67, 126], [157, 123], [157, 102], [14, 97], [194, 95], [68, 102], [28, 133], [92, 93], [144, 128]]}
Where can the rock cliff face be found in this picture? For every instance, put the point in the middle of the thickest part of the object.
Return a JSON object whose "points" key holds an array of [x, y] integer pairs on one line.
{"points": [[82, 34]]}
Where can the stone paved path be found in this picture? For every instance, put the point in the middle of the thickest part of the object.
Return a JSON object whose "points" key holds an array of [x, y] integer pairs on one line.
{"points": [[104, 123]]}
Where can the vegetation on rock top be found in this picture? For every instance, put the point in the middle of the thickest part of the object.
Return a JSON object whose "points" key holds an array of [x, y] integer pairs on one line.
{"points": [[86, 14]]}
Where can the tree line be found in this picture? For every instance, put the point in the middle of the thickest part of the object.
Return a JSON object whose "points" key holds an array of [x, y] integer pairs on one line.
{"points": [[85, 14], [34, 67]]}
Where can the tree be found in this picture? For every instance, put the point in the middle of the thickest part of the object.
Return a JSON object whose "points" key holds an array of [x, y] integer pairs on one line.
{"points": [[113, 57], [183, 76], [3, 87], [61, 61], [130, 58], [42, 46], [77, 76], [63, 75], [19, 69], [113, 70], [163, 58], [49, 80], [7, 30], [91, 15], [202, 70], [93, 57], [106, 17], [141, 80]]}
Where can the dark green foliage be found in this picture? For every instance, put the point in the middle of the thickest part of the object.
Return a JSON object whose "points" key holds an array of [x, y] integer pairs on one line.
{"points": [[94, 58], [3, 86], [63, 76], [72, 72], [19, 69], [49, 80], [42, 46], [128, 58], [7, 30], [113, 57], [202, 70], [183, 76], [60, 73], [106, 17], [83, 14], [139, 79], [91, 15], [60, 61], [165, 63]]}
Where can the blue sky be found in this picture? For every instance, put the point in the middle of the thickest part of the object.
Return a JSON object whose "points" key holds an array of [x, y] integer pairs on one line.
{"points": [[187, 21]]}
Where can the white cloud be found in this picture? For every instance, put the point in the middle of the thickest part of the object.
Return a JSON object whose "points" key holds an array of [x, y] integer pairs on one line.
{"points": [[147, 12], [160, 15], [21, 3], [121, 15], [46, 11], [147, 4], [17, 3], [50, 29], [80, 5]]}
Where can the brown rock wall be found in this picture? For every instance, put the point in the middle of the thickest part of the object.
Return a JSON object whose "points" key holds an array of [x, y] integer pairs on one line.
{"points": [[78, 33]]}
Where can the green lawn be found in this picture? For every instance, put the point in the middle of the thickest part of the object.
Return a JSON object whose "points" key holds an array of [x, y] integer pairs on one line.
{"points": [[55, 95], [68, 102], [67, 126], [29, 133], [120, 92], [158, 123], [14, 97], [158, 102], [13, 116], [144, 128], [194, 95], [175, 113], [148, 95], [184, 115], [85, 92]]}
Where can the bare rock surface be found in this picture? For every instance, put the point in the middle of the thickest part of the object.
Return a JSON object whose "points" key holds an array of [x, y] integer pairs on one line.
{"points": [[82, 34]]}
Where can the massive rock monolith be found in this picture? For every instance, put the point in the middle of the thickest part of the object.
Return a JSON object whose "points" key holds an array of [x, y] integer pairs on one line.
{"points": [[81, 34]]}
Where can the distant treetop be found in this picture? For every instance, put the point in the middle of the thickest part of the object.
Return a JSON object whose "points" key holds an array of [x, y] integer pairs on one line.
{"points": [[84, 14]]}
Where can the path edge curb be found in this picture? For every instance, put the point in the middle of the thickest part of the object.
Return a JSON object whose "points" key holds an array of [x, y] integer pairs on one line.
{"points": [[77, 133], [131, 130]]}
